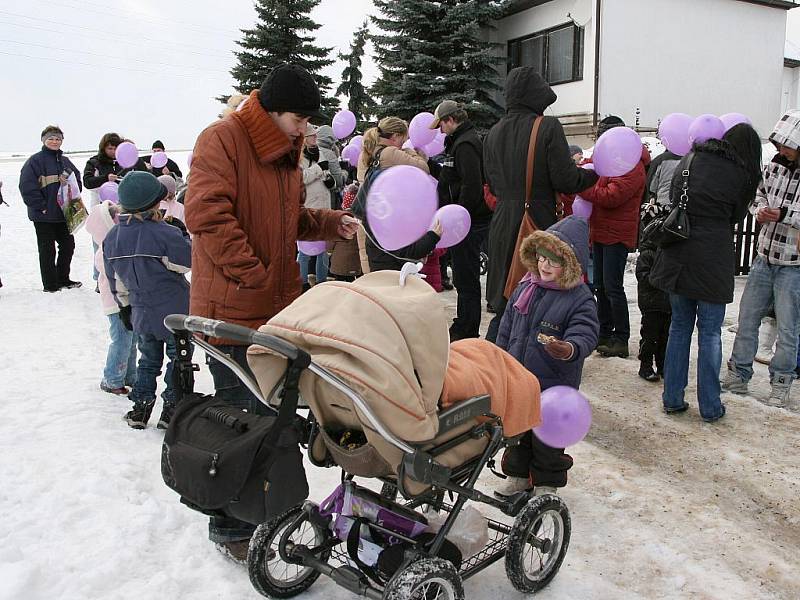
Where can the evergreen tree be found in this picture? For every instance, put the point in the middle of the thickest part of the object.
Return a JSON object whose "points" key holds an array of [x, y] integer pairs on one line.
{"points": [[283, 34], [359, 100], [433, 51]]}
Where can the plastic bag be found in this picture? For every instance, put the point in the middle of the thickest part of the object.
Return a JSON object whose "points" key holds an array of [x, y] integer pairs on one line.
{"points": [[470, 533]]}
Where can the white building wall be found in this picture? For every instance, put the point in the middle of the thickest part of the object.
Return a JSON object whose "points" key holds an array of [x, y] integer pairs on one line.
{"points": [[692, 56], [791, 82], [574, 97]]}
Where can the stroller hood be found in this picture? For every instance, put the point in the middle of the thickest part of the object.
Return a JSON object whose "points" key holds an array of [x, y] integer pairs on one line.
{"points": [[389, 343]]}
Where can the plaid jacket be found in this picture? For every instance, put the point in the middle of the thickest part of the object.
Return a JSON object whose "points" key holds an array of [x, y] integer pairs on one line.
{"points": [[778, 242]]}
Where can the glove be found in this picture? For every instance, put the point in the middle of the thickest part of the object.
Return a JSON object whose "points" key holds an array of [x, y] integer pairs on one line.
{"points": [[559, 349], [323, 164], [125, 317], [329, 181]]}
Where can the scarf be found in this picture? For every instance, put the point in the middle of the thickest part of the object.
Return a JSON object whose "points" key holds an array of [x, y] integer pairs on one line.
{"points": [[524, 299]]}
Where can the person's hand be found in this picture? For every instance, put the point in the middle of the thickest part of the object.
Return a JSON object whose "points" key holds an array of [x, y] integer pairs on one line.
{"points": [[348, 226], [437, 228], [125, 317], [559, 349], [165, 171], [768, 215], [62, 179], [112, 177], [323, 164]]}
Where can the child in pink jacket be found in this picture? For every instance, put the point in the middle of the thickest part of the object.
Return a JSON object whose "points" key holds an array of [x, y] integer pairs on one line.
{"points": [[119, 374]]}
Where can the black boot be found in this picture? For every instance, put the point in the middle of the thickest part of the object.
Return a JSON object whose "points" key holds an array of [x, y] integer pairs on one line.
{"points": [[646, 372]]}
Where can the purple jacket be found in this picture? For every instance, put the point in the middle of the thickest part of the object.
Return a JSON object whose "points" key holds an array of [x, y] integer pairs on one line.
{"points": [[569, 314]]}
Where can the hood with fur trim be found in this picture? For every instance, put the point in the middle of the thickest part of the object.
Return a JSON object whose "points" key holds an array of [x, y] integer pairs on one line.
{"points": [[567, 239]]}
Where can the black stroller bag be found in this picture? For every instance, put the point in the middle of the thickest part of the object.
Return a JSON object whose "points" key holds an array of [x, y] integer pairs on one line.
{"points": [[224, 461]]}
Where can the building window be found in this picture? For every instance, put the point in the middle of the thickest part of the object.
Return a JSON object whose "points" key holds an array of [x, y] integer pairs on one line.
{"points": [[556, 53]]}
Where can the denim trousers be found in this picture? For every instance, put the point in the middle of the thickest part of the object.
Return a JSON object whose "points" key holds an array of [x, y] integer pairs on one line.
{"points": [[612, 303], [151, 359], [709, 317], [466, 258], [767, 284], [229, 387], [321, 270], [121, 357]]}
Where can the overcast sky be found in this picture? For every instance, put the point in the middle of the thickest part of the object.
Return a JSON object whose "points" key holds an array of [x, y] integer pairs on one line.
{"points": [[147, 69]]}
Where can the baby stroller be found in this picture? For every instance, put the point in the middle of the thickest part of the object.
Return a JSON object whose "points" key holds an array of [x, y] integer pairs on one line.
{"points": [[379, 545]]}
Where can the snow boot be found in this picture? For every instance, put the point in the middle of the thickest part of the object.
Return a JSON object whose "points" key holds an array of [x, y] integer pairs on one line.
{"points": [[138, 416], [767, 335], [117, 391], [69, 284], [734, 383], [647, 373], [235, 551], [602, 344], [615, 348], [166, 417], [781, 386]]}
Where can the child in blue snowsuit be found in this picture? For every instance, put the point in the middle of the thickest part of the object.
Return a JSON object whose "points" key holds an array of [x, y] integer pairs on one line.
{"points": [[550, 325], [145, 260]]}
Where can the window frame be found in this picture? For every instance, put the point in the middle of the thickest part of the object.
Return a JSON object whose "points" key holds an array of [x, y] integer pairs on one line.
{"points": [[513, 50]]}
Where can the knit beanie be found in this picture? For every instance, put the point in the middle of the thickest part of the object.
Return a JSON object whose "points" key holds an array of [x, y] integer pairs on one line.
{"points": [[168, 181], [609, 122], [290, 88], [139, 191]]}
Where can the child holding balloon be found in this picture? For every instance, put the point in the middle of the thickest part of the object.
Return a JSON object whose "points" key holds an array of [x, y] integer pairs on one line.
{"points": [[550, 325]]}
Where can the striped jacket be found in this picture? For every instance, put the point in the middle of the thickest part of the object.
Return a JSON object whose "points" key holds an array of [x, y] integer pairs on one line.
{"points": [[779, 242]]}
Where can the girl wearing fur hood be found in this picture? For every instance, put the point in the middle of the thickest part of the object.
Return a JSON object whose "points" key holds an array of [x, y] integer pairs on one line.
{"points": [[550, 325]]}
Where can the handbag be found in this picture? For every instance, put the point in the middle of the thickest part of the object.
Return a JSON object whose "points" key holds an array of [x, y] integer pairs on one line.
{"points": [[516, 270], [674, 226]]}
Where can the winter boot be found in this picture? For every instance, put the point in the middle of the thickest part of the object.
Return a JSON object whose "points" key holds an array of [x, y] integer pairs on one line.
{"points": [[781, 386], [617, 348], [235, 551], [118, 391], [541, 490], [137, 417], [734, 383], [602, 344], [166, 417], [513, 485], [767, 335], [647, 373], [69, 284]]}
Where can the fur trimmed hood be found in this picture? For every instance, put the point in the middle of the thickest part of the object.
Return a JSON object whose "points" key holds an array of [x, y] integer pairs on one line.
{"points": [[567, 239]]}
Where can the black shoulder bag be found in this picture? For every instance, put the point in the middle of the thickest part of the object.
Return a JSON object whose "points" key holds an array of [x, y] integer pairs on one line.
{"points": [[674, 226]]}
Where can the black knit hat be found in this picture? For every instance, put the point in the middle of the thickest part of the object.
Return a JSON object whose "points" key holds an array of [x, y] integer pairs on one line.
{"points": [[290, 88], [158, 144], [609, 122]]}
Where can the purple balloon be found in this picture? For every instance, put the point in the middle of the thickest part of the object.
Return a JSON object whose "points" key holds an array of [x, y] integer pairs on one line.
{"points": [[343, 124], [674, 133], [109, 191], [408, 145], [312, 248], [582, 207], [731, 120], [127, 155], [704, 128], [189, 159], [351, 153], [400, 206], [159, 160], [617, 152], [419, 130], [435, 147], [566, 417], [357, 141], [455, 222]]}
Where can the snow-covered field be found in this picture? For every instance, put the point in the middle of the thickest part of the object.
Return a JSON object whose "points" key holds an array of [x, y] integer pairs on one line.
{"points": [[662, 507]]}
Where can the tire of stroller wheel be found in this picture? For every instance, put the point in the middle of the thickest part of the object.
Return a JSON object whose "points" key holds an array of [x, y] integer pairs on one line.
{"points": [[269, 574], [425, 579], [538, 543]]}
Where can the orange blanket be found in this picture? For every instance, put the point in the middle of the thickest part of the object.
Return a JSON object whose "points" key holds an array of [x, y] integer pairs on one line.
{"points": [[478, 367]]}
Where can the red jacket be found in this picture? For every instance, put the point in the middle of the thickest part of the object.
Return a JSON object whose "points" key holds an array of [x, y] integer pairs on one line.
{"points": [[617, 200]]}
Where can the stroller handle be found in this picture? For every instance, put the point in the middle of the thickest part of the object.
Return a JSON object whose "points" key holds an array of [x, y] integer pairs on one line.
{"points": [[238, 333]]}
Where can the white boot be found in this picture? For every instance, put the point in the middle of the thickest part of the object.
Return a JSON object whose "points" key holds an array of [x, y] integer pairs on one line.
{"points": [[512, 485], [767, 334]]}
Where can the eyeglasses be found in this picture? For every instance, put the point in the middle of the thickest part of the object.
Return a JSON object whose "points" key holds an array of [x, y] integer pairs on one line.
{"points": [[553, 262]]}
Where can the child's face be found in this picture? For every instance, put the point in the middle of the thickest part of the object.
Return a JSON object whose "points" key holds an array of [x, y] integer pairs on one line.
{"points": [[549, 270]]}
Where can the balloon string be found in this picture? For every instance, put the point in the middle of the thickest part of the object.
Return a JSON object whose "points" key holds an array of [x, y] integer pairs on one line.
{"points": [[384, 250]]}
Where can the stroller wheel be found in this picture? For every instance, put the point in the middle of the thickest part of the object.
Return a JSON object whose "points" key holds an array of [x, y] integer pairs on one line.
{"points": [[425, 579], [484, 263], [270, 575], [537, 543]]}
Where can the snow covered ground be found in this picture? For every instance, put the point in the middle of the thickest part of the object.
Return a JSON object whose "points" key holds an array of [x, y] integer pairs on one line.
{"points": [[662, 507]]}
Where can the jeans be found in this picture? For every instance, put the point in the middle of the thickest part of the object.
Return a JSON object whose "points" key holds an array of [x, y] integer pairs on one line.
{"points": [[321, 267], [121, 357], [231, 389], [767, 284], [466, 258], [709, 316], [612, 304], [151, 358], [54, 271]]}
